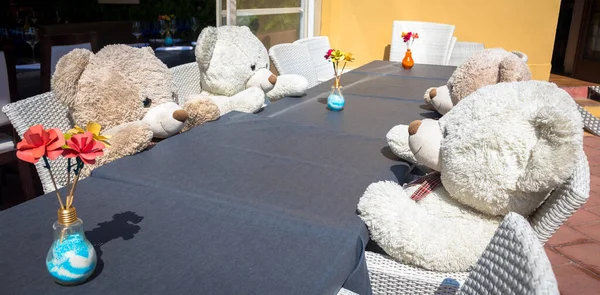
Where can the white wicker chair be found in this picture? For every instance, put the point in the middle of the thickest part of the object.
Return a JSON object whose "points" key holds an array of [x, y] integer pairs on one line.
{"points": [[431, 47], [390, 277], [514, 262], [294, 59], [187, 80], [462, 51], [46, 110], [318, 46]]}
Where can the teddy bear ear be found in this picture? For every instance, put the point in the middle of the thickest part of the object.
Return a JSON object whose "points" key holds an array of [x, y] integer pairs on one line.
{"points": [[149, 50], [554, 156], [68, 71], [514, 69], [205, 46]]}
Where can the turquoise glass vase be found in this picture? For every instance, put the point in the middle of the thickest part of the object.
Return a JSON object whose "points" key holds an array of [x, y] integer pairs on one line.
{"points": [[71, 259], [336, 100], [168, 39]]}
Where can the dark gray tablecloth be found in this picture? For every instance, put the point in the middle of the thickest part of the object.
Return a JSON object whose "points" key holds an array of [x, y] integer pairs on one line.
{"points": [[273, 166], [379, 96], [249, 204], [162, 241]]}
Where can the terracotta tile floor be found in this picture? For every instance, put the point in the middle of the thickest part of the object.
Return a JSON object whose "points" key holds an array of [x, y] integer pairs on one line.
{"points": [[574, 250]]}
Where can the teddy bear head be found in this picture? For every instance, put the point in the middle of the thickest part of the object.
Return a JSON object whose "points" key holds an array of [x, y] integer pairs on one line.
{"points": [[232, 59], [117, 85], [505, 147], [487, 67]]}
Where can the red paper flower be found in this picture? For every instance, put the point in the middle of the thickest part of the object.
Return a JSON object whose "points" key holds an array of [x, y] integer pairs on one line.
{"points": [[38, 143], [85, 147]]}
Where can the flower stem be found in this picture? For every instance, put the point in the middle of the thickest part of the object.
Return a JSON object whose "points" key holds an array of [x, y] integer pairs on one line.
{"points": [[53, 181], [74, 185]]}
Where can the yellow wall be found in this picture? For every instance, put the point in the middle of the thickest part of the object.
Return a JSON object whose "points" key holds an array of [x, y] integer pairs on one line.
{"points": [[364, 27]]}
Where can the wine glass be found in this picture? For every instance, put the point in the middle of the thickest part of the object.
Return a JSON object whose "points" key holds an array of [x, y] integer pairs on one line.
{"points": [[162, 28], [173, 27], [195, 25], [136, 30], [30, 36]]}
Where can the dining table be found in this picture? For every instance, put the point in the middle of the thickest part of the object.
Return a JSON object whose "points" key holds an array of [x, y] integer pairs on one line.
{"points": [[259, 203]]}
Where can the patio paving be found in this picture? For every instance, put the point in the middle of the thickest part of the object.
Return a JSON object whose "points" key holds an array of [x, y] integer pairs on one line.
{"points": [[574, 250]]}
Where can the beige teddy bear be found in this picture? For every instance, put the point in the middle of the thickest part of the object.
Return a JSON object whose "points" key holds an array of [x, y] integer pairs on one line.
{"points": [[128, 91], [234, 73], [487, 67], [503, 149]]}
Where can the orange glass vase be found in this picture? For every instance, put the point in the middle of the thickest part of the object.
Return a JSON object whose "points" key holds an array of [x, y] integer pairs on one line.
{"points": [[408, 61]]}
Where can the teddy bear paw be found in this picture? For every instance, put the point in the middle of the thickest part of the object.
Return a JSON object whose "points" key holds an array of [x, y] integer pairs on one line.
{"points": [[397, 139]]}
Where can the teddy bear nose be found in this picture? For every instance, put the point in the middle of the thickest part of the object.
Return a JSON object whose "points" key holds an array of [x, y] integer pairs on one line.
{"points": [[180, 115], [432, 93], [413, 127], [273, 79]]}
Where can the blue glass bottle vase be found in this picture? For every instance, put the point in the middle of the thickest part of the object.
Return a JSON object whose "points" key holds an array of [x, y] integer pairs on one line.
{"points": [[168, 39], [71, 259], [335, 100]]}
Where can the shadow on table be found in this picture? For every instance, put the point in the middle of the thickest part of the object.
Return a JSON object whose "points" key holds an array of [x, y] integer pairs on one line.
{"points": [[123, 225]]}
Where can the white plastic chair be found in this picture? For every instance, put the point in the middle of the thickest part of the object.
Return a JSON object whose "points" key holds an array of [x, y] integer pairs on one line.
{"points": [[318, 46], [291, 58], [522, 55], [431, 47], [450, 49], [462, 51]]}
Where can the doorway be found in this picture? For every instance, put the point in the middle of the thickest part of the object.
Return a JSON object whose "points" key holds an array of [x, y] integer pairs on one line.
{"points": [[576, 51]]}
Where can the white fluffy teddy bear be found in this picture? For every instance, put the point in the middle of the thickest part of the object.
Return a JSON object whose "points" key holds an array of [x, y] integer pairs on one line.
{"points": [[234, 72], [487, 67], [503, 149]]}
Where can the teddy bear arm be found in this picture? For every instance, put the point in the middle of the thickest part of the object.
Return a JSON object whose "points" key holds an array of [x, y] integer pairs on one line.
{"points": [[435, 233], [125, 140], [288, 85], [200, 109]]}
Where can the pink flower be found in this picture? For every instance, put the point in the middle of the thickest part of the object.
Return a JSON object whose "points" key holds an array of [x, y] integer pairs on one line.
{"points": [[85, 147], [38, 143], [328, 54]]}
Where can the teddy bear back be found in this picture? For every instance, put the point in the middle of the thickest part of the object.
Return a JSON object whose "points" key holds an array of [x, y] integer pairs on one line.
{"points": [[116, 85], [227, 57], [508, 145], [486, 68]]}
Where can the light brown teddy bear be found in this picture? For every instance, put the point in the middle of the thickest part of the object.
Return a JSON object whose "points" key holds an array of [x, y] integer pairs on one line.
{"points": [[128, 91], [487, 67]]}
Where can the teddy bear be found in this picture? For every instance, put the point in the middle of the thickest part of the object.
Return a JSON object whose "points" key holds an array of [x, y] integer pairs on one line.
{"points": [[128, 91], [503, 149], [235, 75], [487, 67]]}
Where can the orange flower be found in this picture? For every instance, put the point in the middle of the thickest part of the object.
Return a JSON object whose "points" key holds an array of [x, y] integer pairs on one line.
{"points": [[416, 36], [38, 143], [84, 147]]}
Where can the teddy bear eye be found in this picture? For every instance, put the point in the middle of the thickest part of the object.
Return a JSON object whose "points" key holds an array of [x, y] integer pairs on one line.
{"points": [[253, 67], [147, 102]]}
